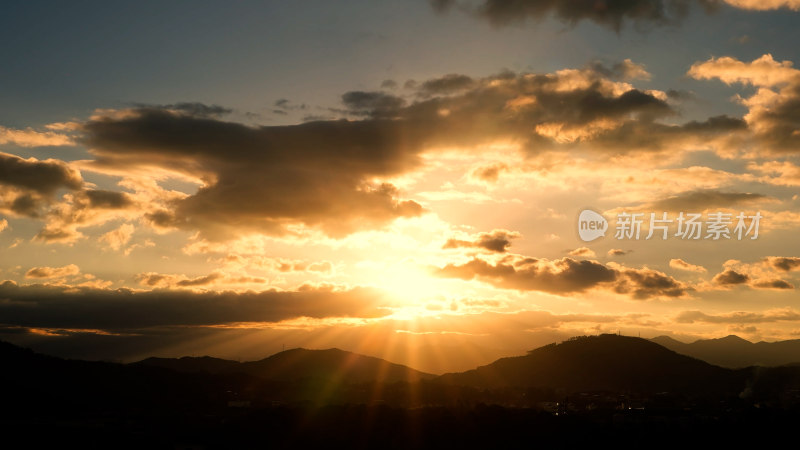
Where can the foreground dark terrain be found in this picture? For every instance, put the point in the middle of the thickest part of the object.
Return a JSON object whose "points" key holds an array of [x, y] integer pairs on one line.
{"points": [[585, 390]]}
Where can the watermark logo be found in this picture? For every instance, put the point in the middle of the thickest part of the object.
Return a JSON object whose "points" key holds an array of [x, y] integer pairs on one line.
{"points": [[591, 225], [687, 226]]}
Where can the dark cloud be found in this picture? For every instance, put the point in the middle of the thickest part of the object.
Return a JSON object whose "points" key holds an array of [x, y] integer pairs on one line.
{"points": [[696, 201], [151, 279], [108, 199], [263, 178], [489, 173], [322, 173], [647, 283], [389, 84], [284, 106], [88, 308], [27, 205], [446, 84], [29, 186], [618, 252], [81, 209], [784, 263], [565, 276], [716, 124], [195, 109], [52, 272], [730, 277], [200, 281], [773, 284], [649, 135], [43, 177], [610, 13], [163, 280], [496, 241], [680, 95], [373, 104]]}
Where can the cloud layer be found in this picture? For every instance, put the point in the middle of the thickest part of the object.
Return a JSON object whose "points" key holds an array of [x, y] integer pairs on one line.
{"points": [[51, 306], [566, 276]]}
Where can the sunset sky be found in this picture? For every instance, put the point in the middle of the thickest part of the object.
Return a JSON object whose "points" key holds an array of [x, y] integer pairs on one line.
{"points": [[396, 178]]}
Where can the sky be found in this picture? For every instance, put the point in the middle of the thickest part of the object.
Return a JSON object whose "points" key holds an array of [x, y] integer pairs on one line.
{"points": [[403, 179]]}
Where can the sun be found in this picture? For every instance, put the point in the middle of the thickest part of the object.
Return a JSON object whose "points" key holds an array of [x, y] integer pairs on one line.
{"points": [[411, 283]]}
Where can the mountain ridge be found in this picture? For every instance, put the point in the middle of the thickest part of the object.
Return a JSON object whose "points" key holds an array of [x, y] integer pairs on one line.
{"points": [[735, 352], [604, 362], [298, 363]]}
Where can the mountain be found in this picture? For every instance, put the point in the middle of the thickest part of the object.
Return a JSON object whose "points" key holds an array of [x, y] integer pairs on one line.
{"points": [[49, 402], [603, 363], [30, 379], [735, 352], [191, 364], [298, 364]]}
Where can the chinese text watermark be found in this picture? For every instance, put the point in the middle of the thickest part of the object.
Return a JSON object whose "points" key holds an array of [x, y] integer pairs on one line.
{"points": [[687, 226]]}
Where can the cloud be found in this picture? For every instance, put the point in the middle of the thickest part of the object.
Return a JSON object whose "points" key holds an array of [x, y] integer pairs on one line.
{"points": [[609, 13], [40, 176], [585, 252], [773, 284], [739, 317], [3, 225], [161, 280], [52, 272], [29, 186], [617, 252], [566, 276], [447, 84], [373, 104], [697, 201], [784, 263], [683, 265], [107, 309], [261, 179], [195, 109], [237, 262], [82, 209], [496, 241], [779, 173], [274, 179], [773, 109], [304, 266], [625, 70], [765, 5], [32, 138], [489, 173], [612, 14], [761, 275], [730, 277], [117, 238]]}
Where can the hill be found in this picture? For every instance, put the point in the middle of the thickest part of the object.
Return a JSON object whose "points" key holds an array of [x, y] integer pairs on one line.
{"points": [[299, 364], [735, 352], [602, 363]]}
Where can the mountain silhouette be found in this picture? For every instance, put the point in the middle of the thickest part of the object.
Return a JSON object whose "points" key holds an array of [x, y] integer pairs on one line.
{"points": [[734, 352], [191, 364], [602, 363], [317, 398], [299, 364]]}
